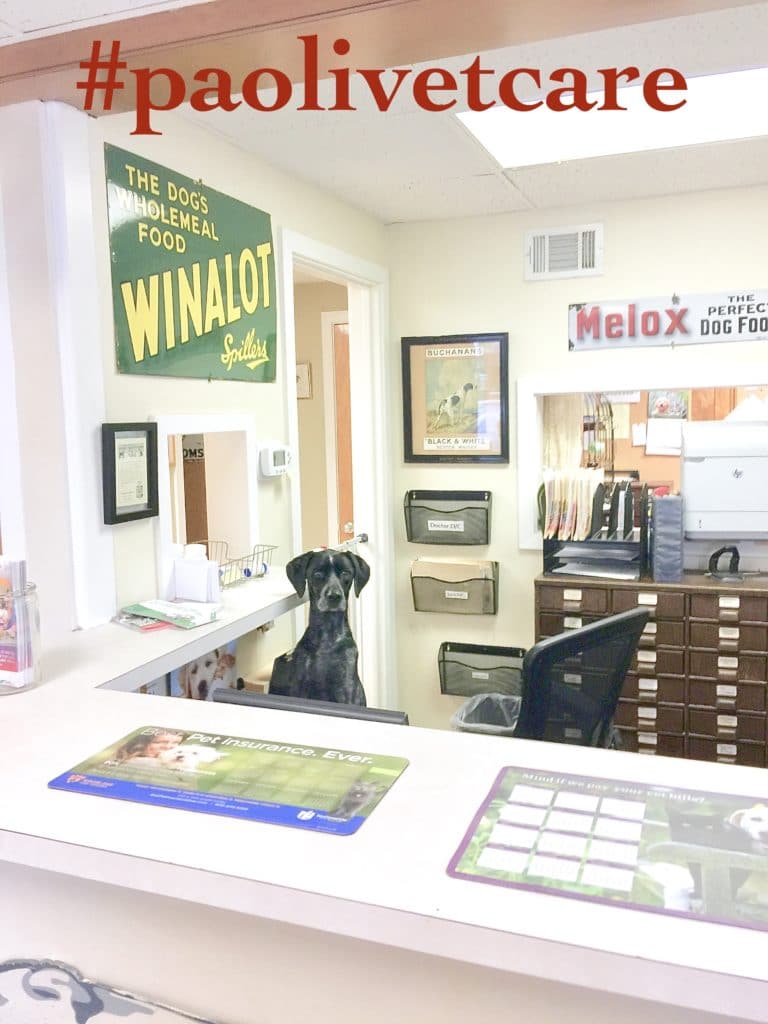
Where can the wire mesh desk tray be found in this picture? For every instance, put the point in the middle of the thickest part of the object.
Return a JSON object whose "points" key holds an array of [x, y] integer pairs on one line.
{"points": [[448, 517], [469, 669], [248, 567]]}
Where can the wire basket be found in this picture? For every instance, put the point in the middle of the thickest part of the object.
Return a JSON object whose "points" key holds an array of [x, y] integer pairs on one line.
{"points": [[249, 567], [216, 550]]}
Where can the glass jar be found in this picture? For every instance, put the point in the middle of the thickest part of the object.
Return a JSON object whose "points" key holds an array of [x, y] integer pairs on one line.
{"points": [[19, 640]]}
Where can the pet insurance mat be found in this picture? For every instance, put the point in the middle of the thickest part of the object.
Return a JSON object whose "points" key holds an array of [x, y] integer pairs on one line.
{"points": [[314, 788], [673, 851]]}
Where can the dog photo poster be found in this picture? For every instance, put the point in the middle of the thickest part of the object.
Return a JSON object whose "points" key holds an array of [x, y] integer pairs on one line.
{"points": [[455, 398], [213, 671], [672, 851], [313, 788]]}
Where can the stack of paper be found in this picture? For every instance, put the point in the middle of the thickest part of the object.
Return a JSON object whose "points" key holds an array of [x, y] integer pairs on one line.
{"points": [[569, 499], [196, 579]]}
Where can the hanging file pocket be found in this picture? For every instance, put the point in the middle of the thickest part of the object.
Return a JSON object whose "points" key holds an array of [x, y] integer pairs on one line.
{"points": [[448, 517], [468, 669], [462, 588]]}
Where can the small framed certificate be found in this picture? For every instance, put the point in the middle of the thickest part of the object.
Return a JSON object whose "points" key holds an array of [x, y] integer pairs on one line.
{"points": [[129, 471]]}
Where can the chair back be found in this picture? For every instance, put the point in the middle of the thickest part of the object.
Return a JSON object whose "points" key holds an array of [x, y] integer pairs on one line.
{"points": [[572, 682]]}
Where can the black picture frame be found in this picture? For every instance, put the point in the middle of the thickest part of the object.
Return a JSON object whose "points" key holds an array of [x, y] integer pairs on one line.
{"points": [[139, 474], [452, 383]]}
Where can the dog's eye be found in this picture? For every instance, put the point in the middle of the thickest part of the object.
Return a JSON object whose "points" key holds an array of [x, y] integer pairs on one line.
{"points": [[317, 574], [346, 575], [193, 671]]}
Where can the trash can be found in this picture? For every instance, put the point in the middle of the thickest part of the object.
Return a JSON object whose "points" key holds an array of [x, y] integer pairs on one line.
{"points": [[493, 713]]}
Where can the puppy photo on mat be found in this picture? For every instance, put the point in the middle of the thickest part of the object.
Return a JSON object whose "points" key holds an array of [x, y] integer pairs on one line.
{"points": [[323, 664]]}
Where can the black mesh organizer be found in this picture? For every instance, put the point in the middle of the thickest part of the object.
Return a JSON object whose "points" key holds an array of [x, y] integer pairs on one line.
{"points": [[448, 517], [467, 669], [463, 588]]}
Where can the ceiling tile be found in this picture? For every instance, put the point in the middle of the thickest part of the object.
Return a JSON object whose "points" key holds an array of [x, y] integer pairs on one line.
{"points": [[438, 199], [638, 175]]}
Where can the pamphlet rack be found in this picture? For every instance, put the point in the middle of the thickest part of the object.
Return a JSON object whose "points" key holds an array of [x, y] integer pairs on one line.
{"points": [[468, 669], [448, 517]]}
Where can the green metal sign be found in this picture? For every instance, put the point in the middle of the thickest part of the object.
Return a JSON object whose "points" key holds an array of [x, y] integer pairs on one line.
{"points": [[193, 276]]}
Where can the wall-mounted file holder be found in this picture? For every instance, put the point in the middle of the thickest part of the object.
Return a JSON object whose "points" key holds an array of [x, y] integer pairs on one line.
{"points": [[469, 669], [448, 517], [461, 588]]}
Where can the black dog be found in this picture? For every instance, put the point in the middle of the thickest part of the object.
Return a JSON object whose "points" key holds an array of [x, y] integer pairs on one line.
{"points": [[323, 665]]}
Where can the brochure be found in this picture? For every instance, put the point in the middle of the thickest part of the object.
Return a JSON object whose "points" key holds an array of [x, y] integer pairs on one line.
{"points": [[681, 852], [316, 788]]}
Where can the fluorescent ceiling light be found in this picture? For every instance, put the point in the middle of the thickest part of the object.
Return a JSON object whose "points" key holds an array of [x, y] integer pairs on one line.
{"points": [[718, 108]]}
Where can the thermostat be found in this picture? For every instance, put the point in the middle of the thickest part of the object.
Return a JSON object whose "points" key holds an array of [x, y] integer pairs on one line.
{"points": [[275, 459]]}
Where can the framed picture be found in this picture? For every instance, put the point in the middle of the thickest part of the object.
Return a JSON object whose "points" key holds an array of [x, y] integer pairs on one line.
{"points": [[455, 398], [129, 471], [303, 380]]}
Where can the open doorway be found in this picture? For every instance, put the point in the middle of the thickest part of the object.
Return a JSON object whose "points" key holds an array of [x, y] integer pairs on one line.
{"points": [[369, 435], [324, 411]]}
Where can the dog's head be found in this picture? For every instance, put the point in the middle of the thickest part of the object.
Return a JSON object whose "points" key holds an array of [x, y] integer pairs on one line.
{"points": [[329, 574], [188, 757], [753, 821]]}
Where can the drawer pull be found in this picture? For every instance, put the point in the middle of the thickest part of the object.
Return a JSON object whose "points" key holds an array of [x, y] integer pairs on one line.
{"points": [[728, 632], [574, 678], [572, 622], [650, 685], [650, 629], [650, 600], [648, 737], [726, 691], [728, 602], [727, 722], [647, 713], [727, 661], [727, 749], [571, 595], [646, 657]]}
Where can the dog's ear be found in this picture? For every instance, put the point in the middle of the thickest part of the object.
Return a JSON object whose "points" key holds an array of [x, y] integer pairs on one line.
{"points": [[362, 572], [296, 571]]}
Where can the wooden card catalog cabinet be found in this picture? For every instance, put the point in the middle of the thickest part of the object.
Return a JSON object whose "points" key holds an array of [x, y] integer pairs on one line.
{"points": [[697, 684]]}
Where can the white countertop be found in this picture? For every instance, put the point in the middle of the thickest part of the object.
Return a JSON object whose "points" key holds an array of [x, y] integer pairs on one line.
{"points": [[387, 882]]}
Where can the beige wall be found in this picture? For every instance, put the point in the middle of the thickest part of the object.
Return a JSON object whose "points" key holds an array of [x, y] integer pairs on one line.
{"points": [[467, 275], [311, 301]]}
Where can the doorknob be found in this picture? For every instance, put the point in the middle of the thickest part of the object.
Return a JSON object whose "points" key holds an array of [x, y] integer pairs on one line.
{"points": [[348, 527]]}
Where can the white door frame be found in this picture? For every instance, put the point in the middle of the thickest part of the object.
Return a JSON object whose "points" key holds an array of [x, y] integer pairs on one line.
{"points": [[368, 302], [328, 321]]}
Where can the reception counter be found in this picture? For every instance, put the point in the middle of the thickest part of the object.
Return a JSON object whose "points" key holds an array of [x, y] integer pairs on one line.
{"points": [[243, 922]]}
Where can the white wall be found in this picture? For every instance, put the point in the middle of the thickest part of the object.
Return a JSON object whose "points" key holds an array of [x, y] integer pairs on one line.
{"points": [[466, 275], [59, 278]]}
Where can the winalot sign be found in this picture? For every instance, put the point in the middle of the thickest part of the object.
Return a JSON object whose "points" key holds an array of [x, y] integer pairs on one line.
{"points": [[672, 320]]}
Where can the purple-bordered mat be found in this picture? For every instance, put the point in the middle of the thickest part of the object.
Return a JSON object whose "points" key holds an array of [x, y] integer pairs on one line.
{"points": [[682, 852]]}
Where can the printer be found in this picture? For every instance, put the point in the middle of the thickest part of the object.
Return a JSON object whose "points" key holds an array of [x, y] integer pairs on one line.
{"points": [[724, 479]]}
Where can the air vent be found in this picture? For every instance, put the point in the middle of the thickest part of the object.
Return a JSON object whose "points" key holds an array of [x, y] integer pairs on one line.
{"points": [[564, 252]]}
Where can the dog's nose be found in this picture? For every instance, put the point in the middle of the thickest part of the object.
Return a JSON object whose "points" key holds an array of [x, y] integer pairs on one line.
{"points": [[334, 596]]}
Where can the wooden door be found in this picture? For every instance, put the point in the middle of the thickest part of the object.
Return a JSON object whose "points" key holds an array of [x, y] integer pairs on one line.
{"points": [[195, 498], [345, 502]]}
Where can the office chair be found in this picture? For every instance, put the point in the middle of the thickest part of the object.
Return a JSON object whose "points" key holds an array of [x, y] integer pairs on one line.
{"points": [[568, 688], [572, 682]]}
